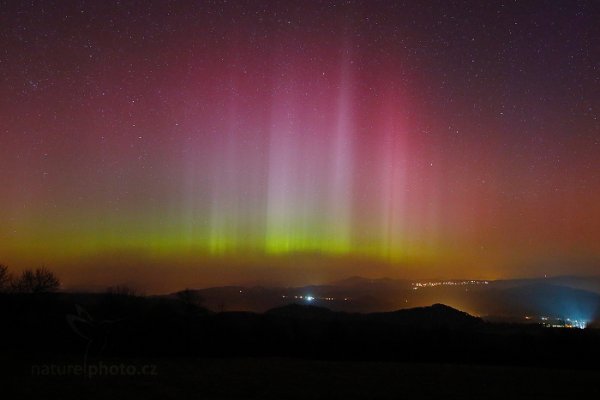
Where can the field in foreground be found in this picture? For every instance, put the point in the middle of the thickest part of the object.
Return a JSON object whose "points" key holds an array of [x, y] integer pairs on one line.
{"points": [[284, 378], [167, 348]]}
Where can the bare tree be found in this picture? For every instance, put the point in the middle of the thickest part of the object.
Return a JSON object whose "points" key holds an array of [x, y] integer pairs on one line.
{"points": [[5, 278], [37, 281]]}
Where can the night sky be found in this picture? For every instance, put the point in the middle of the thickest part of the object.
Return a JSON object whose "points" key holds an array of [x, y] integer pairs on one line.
{"points": [[188, 143]]}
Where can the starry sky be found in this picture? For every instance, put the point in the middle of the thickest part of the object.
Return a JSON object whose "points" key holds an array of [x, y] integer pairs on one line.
{"points": [[202, 142]]}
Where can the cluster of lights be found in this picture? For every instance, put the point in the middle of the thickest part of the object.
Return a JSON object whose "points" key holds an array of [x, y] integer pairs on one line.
{"points": [[418, 285], [560, 323], [312, 298], [307, 298], [575, 323]]}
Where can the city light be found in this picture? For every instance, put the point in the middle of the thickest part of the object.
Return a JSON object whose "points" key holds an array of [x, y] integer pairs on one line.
{"points": [[555, 322], [418, 285]]}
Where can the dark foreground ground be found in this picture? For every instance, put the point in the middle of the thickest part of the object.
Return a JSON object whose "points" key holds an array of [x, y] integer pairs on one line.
{"points": [[279, 378], [70, 346]]}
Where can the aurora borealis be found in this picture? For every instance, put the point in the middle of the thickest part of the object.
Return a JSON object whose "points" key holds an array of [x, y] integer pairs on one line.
{"points": [[222, 141]]}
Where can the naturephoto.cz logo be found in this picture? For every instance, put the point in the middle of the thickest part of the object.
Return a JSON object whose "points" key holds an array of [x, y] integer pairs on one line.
{"points": [[93, 370], [95, 334]]}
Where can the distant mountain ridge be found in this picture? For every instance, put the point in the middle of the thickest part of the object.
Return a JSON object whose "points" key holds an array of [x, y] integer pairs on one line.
{"points": [[430, 317], [558, 297]]}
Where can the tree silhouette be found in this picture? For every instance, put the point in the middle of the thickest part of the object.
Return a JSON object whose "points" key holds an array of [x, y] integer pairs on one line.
{"points": [[190, 297], [37, 281], [122, 291], [5, 278]]}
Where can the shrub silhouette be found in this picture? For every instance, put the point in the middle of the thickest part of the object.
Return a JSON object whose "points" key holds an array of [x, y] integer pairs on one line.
{"points": [[40, 280]]}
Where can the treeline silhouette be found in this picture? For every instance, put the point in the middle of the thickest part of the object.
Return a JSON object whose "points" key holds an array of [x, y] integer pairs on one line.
{"points": [[39, 280]]}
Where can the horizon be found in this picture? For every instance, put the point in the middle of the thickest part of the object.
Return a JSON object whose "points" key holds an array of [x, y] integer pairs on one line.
{"points": [[160, 275], [95, 288]]}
